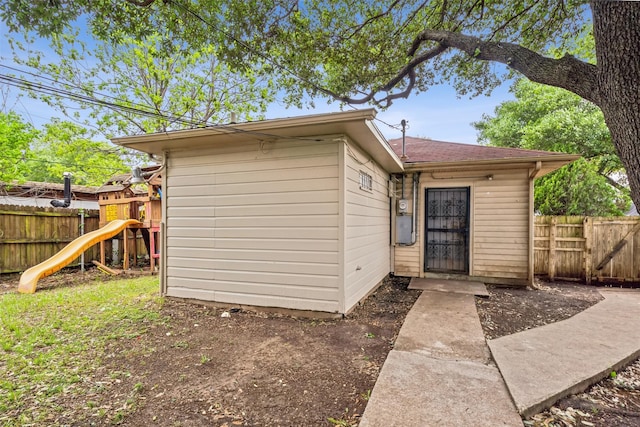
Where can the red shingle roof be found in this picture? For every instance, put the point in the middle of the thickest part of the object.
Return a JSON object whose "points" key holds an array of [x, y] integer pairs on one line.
{"points": [[422, 150]]}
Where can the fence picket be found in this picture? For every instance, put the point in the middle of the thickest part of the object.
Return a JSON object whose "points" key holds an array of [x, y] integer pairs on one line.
{"points": [[569, 248], [30, 235]]}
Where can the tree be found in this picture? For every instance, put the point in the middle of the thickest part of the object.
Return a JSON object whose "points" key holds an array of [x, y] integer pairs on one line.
{"points": [[552, 119], [578, 189], [377, 51], [15, 139], [143, 85], [67, 147], [29, 154]]}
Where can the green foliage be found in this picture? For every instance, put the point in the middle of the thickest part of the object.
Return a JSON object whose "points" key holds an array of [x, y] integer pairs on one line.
{"points": [[349, 47], [15, 140], [67, 147], [578, 189], [144, 85], [376, 51], [51, 342], [552, 119], [29, 154]]}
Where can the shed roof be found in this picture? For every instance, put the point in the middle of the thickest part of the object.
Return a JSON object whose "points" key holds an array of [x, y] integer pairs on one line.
{"points": [[122, 181], [29, 188], [357, 125], [428, 153]]}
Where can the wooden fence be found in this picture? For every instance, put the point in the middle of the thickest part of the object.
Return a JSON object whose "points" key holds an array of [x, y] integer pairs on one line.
{"points": [[30, 235], [587, 248]]}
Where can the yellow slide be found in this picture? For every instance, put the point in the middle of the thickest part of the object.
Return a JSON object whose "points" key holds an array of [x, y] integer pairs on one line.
{"points": [[73, 250]]}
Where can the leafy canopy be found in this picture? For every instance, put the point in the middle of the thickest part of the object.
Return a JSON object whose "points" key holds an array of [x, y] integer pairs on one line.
{"points": [[578, 189], [44, 155], [350, 50], [142, 85], [15, 140], [67, 147], [551, 119], [378, 50]]}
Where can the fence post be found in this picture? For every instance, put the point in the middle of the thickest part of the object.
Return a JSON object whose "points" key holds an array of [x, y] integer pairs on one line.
{"points": [[587, 233], [82, 234], [552, 248]]}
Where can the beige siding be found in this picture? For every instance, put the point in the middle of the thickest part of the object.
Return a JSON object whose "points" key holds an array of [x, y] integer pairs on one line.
{"points": [[367, 229], [407, 261], [499, 235], [407, 258], [255, 223], [501, 226]]}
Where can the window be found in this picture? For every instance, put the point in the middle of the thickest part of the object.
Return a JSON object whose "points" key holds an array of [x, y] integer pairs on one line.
{"points": [[366, 183]]}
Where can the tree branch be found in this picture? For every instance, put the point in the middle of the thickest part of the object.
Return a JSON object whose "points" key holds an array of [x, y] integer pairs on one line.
{"points": [[141, 3], [513, 18], [373, 18], [408, 71], [615, 184], [567, 72]]}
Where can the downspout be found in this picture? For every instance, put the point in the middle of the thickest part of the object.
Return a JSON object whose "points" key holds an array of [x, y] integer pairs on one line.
{"points": [[414, 213], [163, 164], [163, 227], [532, 176], [82, 234], [138, 177]]}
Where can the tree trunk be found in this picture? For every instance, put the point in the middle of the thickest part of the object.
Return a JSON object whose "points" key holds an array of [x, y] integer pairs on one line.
{"points": [[617, 34]]}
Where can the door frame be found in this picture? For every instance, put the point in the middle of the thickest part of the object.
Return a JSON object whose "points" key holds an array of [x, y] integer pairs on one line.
{"points": [[468, 230]]}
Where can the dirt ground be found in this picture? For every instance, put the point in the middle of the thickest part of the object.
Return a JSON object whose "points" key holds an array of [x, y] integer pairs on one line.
{"points": [[511, 310], [613, 402], [205, 366]]}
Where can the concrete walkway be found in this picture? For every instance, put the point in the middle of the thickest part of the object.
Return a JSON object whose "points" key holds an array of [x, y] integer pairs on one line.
{"points": [[440, 371], [545, 364]]}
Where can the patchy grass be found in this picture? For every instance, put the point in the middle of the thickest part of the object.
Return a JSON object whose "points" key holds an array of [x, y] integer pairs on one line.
{"points": [[52, 340]]}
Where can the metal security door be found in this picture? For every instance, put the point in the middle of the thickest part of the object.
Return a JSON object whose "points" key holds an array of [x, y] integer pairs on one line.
{"points": [[447, 230]]}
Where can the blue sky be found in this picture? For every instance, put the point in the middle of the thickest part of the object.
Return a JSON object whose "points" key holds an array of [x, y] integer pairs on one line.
{"points": [[437, 114]]}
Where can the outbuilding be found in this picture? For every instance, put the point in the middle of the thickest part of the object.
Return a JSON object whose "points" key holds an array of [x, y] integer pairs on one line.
{"points": [[467, 212], [308, 212]]}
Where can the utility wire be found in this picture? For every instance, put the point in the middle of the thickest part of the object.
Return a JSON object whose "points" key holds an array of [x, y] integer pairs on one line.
{"points": [[53, 162], [67, 94], [51, 90], [134, 107]]}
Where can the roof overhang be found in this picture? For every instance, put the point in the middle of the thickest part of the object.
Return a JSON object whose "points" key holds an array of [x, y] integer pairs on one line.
{"points": [[357, 125], [539, 165]]}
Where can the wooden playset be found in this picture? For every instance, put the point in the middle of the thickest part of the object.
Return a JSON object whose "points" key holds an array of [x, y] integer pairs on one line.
{"points": [[119, 199]]}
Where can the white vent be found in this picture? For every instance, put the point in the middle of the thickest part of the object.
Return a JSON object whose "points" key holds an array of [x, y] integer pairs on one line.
{"points": [[366, 182]]}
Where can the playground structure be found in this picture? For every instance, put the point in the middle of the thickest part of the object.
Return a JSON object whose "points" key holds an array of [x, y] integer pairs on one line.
{"points": [[123, 207], [30, 277], [118, 199]]}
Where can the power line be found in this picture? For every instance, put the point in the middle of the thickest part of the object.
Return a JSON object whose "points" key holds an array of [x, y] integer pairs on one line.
{"points": [[67, 94], [133, 108], [53, 162]]}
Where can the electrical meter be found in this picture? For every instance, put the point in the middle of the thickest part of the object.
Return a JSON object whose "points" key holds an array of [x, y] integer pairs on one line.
{"points": [[403, 206]]}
